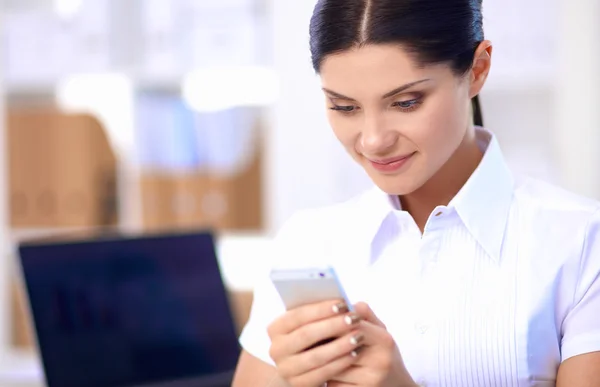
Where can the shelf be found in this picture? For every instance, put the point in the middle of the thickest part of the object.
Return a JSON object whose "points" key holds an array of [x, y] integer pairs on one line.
{"points": [[21, 369]]}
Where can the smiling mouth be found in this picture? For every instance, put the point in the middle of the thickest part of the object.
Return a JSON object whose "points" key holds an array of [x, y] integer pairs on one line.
{"points": [[391, 160], [391, 164]]}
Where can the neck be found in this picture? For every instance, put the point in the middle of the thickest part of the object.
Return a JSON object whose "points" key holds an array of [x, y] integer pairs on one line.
{"points": [[445, 184]]}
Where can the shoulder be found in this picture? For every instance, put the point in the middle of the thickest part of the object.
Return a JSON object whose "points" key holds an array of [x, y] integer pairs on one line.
{"points": [[559, 219], [328, 218], [312, 232], [549, 201]]}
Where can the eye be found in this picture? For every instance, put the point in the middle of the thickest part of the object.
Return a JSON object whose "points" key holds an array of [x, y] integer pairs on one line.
{"points": [[407, 106], [344, 109]]}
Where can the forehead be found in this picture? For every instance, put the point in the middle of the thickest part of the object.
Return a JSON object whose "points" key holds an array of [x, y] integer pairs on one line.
{"points": [[373, 69]]}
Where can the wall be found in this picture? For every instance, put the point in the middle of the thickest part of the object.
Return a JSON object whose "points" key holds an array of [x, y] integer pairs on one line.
{"points": [[577, 135], [299, 162], [4, 241], [524, 129]]}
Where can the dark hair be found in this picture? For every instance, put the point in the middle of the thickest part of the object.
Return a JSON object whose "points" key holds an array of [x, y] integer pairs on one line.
{"points": [[433, 31]]}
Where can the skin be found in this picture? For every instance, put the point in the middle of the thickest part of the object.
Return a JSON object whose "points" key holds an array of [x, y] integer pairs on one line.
{"points": [[429, 121]]}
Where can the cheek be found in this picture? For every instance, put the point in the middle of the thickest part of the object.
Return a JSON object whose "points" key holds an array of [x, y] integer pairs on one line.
{"points": [[345, 129], [442, 127]]}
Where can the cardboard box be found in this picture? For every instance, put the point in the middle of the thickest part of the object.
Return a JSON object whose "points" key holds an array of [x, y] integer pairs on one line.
{"points": [[22, 328], [204, 199], [156, 192], [62, 170], [241, 304]]}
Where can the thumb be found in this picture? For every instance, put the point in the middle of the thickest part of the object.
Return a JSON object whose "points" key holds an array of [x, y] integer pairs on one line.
{"points": [[367, 314]]}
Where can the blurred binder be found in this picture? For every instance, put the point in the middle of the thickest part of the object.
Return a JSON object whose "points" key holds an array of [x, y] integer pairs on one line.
{"points": [[62, 170], [201, 199], [200, 169], [165, 133]]}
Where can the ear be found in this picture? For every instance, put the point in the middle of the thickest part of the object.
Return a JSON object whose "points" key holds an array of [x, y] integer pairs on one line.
{"points": [[482, 62]]}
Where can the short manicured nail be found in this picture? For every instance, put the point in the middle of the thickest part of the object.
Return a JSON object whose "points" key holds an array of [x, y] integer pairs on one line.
{"points": [[354, 353], [340, 308], [352, 319], [356, 339]]}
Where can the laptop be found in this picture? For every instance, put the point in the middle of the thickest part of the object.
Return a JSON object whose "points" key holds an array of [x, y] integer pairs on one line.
{"points": [[131, 312]]}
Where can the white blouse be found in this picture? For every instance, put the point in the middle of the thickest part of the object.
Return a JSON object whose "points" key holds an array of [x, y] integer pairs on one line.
{"points": [[503, 285]]}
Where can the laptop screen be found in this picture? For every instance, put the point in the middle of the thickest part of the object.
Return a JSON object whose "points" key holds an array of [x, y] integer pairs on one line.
{"points": [[129, 312]]}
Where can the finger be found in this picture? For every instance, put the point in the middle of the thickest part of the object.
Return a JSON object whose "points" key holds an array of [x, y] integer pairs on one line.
{"points": [[312, 335], [335, 383], [352, 376], [303, 315], [376, 346], [367, 314], [319, 357], [340, 359], [371, 367], [375, 335]]}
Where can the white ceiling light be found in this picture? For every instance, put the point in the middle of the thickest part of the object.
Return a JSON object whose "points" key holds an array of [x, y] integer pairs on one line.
{"points": [[221, 88], [108, 97], [67, 9]]}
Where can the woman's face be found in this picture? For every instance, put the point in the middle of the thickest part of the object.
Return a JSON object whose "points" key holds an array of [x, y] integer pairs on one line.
{"points": [[399, 121]]}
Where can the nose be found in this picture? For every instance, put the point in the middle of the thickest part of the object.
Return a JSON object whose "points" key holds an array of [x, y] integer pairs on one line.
{"points": [[376, 137]]}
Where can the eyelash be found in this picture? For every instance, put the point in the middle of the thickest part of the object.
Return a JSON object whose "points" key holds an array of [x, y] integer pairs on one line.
{"points": [[413, 105]]}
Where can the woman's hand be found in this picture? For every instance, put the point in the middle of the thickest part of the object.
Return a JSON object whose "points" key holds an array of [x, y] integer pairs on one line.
{"points": [[378, 363], [295, 339]]}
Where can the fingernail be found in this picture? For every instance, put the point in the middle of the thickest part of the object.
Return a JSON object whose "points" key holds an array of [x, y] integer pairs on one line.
{"points": [[354, 353], [352, 319], [340, 308], [356, 339]]}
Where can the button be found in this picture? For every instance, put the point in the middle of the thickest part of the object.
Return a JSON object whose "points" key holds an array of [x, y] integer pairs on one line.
{"points": [[421, 328], [439, 214]]}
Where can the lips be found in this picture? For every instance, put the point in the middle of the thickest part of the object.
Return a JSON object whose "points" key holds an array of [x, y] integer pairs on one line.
{"points": [[390, 160], [391, 165]]}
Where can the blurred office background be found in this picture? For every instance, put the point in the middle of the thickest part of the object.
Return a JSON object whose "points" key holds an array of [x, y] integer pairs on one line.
{"points": [[152, 115]]}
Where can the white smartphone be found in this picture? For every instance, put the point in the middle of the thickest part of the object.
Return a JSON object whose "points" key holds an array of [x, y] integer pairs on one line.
{"points": [[300, 287]]}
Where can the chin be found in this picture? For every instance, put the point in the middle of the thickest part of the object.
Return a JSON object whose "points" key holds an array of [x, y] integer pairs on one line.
{"points": [[394, 185], [405, 181]]}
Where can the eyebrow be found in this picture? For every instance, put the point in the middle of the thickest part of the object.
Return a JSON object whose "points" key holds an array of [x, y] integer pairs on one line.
{"points": [[392, 93]]}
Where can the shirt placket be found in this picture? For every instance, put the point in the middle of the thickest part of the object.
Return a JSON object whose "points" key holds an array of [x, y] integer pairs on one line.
{"points": [[425, 320]]}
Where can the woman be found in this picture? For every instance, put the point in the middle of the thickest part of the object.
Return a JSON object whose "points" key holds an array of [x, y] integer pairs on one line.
{"points": [[469, 276]]}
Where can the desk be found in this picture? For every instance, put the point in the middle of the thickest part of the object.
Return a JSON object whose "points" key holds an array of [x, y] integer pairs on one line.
{"points": [[21, 369]]}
